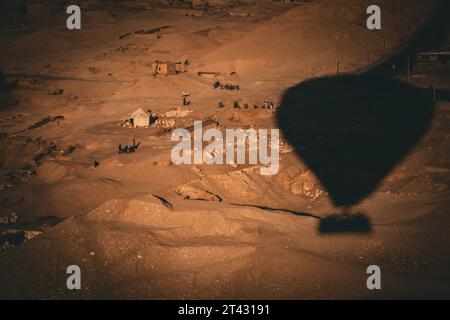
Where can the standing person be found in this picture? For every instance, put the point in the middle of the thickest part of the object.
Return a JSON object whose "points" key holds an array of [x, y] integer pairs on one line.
{"points": [[185, 96]]}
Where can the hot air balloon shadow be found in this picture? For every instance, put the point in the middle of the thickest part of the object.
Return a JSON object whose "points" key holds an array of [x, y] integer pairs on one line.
{"points": [[352, 130]]}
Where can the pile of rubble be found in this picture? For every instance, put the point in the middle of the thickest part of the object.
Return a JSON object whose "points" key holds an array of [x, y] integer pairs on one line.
{"points": [[4, 187], [12, 218], [13, 233], [167, 119], [21, 155], [306, 184], [177, 113], [11, 237]]}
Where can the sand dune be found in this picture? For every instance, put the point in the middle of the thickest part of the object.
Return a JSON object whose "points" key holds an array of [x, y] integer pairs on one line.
{"points": [[140, 226], [289, 42]]}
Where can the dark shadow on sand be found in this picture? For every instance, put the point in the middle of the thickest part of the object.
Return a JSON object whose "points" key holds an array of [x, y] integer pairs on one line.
{"points": [[351, 130], [332, 224], [345, 223]]}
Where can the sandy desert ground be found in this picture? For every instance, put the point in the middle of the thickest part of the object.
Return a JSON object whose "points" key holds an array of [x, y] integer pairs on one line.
{"points": [[141, 227]]}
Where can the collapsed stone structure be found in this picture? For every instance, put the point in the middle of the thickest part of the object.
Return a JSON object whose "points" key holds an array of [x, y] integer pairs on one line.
{"points": [[140, 118]]}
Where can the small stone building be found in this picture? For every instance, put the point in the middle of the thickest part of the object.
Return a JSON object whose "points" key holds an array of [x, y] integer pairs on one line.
{"points": [[140, 118], [166, 68]]}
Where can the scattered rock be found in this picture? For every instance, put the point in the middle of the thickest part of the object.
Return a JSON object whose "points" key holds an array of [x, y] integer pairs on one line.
{"points": [[427, 183], [10, 238], [285, 147], [12, 218], [191, 193], [178, 113], [93, 70], [70, 149], [345, 223], [56, 92], [308, 185], [3, 83], [296, 188], [5, 186], [44, 121]]}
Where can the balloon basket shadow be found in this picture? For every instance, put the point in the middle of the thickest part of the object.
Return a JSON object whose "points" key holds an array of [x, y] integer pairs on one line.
{"points": [[356, 223]]}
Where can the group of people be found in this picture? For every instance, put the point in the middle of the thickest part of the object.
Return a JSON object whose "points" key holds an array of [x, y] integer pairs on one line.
{"points": [[238, 105], [217, 85], [129, 149]]}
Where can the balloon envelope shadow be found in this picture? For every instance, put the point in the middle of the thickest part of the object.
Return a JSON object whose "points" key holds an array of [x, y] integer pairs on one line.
{"points": [[352, 130]]}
